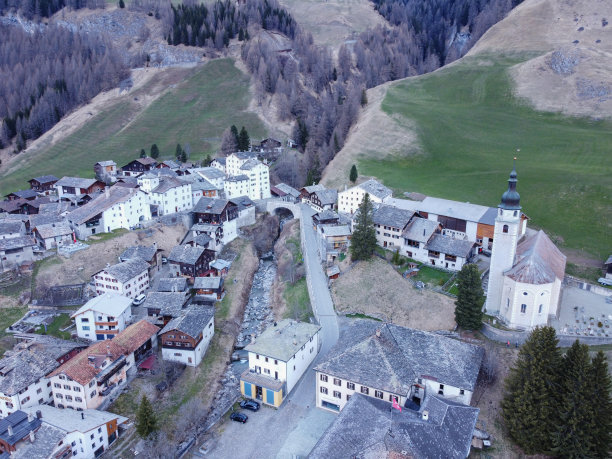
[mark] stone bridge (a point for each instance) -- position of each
(273, 204)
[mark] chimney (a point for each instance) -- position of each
(82, 415)
(425, 415)
(378, 333)
(10, 430)
(32, 437)
(423, 231)
(30, 417)
(39, 414)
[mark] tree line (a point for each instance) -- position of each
(36, 9)
(47, 73)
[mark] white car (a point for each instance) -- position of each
(139, 299)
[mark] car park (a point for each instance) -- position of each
(239, 417)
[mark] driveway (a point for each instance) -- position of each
(297, 425)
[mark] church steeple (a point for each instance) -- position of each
(511, 199)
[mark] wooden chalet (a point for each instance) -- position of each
(138, 166)
(214, 211)
(43, 184)
(191, 261)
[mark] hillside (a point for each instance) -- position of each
(467, 123)
(179, 105)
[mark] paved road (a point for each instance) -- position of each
(297, 425)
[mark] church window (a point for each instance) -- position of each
(515, 212)
(505, 229)
(523, 308)
(540, 309)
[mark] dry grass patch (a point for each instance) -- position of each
(375, 289)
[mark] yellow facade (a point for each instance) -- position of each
(262, 394)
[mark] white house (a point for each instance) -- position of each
(185, 339)
(277, 360)
(16, 251)
(83, 435)
(129, 278)
(103, 317)
(215, 176)
(167, 195)
(117, 207)
(258, 176)
(236, 185)
(53, 235)
(388, 362)
(350, 199)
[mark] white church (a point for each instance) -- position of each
(526, 270)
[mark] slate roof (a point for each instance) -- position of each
(13, 205)
(139, 251)
(202, 240)
(336, 230)
(74, 421)
(46, 179)
(168, 303)
(186, 254)
(102, 202)
(391, 216)
(283, 340)
(327, 196)
(288, 190)
(171, 164)
(76, 182)
(54, 229)
(488, 218)
(45, 219)
(366, 428)
(20, 424)
(220, 160)
(172, 284)
(168, 183)
(202, 185)
(245, 154)
(24, 194)
(211, 283)
(10, 226)
(17, 242)
(250, 164)
(450, 246)
(327, 214)
(46, 440)
(456, 209)
(107, 163)
(237, 178)
(242, 202)
(312, 188)
(127, 270)
(375, 188)
(208, 205)
(205, 227)
(393, 361)
(420, 229)
(108, 303)
(210, 173)
(54, 207)
(537, 261)
(220, 264)
(193, 322)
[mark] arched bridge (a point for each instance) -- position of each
(272, 205)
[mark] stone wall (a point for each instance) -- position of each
(505, 336)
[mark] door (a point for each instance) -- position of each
(247, 390)
(258, 393)
(270, 396)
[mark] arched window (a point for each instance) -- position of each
(540, 309)
(505, 229)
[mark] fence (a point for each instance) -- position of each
(505, 336)
(582, 285)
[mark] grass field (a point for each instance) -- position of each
(470, 126)
(53, 329)
(195, 111)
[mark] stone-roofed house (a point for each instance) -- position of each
(165, 306)
(138, 166)
(350, 199)
(150, 254)
(190, 261)
(43, 185)
(449, 253)
(172, 284)
(367, 428)
(214, 175)
(185, 339)
(129, 278)
(103, 317)
(12, 228)
(246, 210)
(333, 239)
(277, 360)
(75, 187)
(212, 287)
(28, 195)
(16, 251)
(200, 187)
(90, 378)
(390, 222)
(24, 371)
(219, 212)
(285, 192)
(106, 170)
(53, 235)
(16, 429)
(69, 433)
(321, 200)
(166, 195)
(386, 361)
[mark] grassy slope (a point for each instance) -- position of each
(196, 111)
(470, 127)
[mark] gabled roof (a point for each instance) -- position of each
(242, 202)
(168, 183)
(44, 219)
(193, 322)
(10, 226)
(108, 303)
(127, 270)
(207, 282)
(143, 252)
(420, 229)
(336, 230)
(144, 161)
(20, 424)
(456, 209)
(107, 163)
(450, 246)
(287, 189)
(135, 336)
(17, 242)
(391, 216)
(537, 261)
(375, 188)
(76, 182)
(24, 194)
(237, 178)
(169, 303)
(186, 254)
(312, 188)
(74, 421)
(208, 205)
(327, 196)
(202, 185)
(400, 355)
(366, 428)
(283, 340)
(251, 164)
(102, 202)
(210, 173)
(172, 284)
(44, 179)
(244, 155)
(54, 229)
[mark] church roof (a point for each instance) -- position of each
(537, 261)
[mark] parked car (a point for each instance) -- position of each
(239, 417)
(249, 405)
(139, 299)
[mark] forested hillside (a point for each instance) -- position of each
(31, 9)
(45, 74)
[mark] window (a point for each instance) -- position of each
(69, 398)
(77, 389)
(540, 309)
(461, 392)
(59, 396)
(323, 390)
(266, 359)
(91, 383)
(58, 385)
(323, 378)
(524, 293)
(66, 386)
(93, 394)
(350, 385)
(337, 394)
(78, 399)
(348, 397)
(523, 308)
(91, 436)
(378, 394)
(441, 386)
(257, 356)
(365, 390)
(505, 229)
(275, 362)
(99, 429)
(337, 382)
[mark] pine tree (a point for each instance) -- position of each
(363, 240)
(183, 157)
(179, 151)
(530, 404)
(601, 405)
(314, 173)
(154, 151)
(353, 174)
(234, 131)
(143, 153)
(121, 4)
(241, 34)
(470, 298)
(364, 98)
(146, 422)
(244, 142)
(575, 421)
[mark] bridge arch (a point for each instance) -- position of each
(275, 204)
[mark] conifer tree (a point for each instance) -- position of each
(601, 405)
(146, 421)
(244, 142)
(154, 151)
(575, 422)
(121, 4)
(363, 240)
(313, 175)
(530, 402)
(234, 131)
(143, 153)
(353, 174)
(470, 298)
(179, 151)
(364, 98)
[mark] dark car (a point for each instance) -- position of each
(249, 405)
(239, 417)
